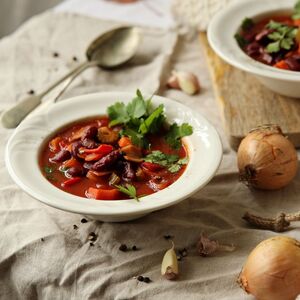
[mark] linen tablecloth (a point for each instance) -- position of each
(43, 257)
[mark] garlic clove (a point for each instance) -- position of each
(188, 82)
(169, 266)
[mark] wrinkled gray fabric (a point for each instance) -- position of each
(64, 265)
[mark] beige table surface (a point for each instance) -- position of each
(64, 266)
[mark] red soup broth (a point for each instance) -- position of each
(56, 174)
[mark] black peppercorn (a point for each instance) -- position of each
(147, 279)
(92, 244)
(75, 226)
(167, 237)
(140, 278)
(31, 92)
(42, 239)
(83, 220)
(55, 54)
(134, 248)
(123, 248)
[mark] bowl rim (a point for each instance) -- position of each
(116, 207)
(241, 10)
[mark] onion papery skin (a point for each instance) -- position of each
(267, 159)
(272, 270)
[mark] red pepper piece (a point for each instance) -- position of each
(70, 181)
(152, 166)
(102, 149)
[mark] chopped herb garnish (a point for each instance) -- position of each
(247, 24)
(176, 133)
(296, 13)
(172, 162)
(49, 173)
(283, 37)
(129, 190)
(161, 158)
(48, 170)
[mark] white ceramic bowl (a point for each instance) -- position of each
(204, 148)
(221, 33)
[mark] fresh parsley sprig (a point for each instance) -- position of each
(128, 190)
(283, 37)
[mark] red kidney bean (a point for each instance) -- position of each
(76, 172)
(107, 161)
(90, 133)
(60, 156)
(128, 173)
(293, 62)
(89, 143)
(75, 148)
(253, 49)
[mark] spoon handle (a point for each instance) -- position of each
(13, 116)
(74, 76)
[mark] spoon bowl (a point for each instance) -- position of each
(115, 47)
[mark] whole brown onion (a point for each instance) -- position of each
(272, 270)
(267, 159)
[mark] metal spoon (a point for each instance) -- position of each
(109, 50)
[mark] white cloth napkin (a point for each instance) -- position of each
(149, 13)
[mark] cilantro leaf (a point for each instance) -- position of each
(138, 119)
(177, 166)
(172, 162)
(137, 138)
(154, 121)
(274, 25)
(282, 36)
(137, 107)
(161, 158)
(176, 133)
(247, 24)
(117, 114)
(48, 170)
(174, 168)
(128, 190)
(273, 47)
(183, 161)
